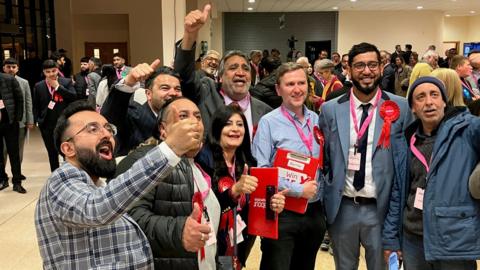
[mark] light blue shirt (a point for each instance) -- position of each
(276, 131)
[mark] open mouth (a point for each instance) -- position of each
(239, 82)
(105, 150)
(234, 136)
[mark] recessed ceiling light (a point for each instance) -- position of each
(472, 11)
(250, 8)
(353, 0)
(251, 1)
(419, 7)
(334, 8)
(447, 15)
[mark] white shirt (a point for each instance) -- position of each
(213, 209)
(369, 190)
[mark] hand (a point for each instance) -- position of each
(387, 253)
(29, 126)
(141, 72)
(309, 189)
(183, 135)
(192, 23)
(194, 234)
(53, 83)
(246, 184)
(278, 201)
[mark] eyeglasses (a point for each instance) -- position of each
(95, 129)
(360, 66)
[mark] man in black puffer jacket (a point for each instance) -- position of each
(265, 90)
(165, 213)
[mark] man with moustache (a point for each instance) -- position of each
(209, 65)
(81, 79)
(80, 221)
(50, 97)
(164, 213)
(234, 76)
(359, 162)
(433, 220)
(291, 127)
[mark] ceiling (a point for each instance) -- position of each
(449, 7)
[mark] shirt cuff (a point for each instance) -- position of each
(121, 86)
(172, 158)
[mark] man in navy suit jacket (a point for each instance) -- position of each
(358, 160)
(50, 97)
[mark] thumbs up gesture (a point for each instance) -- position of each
(194, 235)
(192, 23)
(246, 184)
(141, 72)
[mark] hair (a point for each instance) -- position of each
(414, 55)
(56, 56)
(408, 46)
(270, 64)
(96, 61)
(118, 55)
(400, 56)
(63, 123)
(10, 61)
(362, 48)
(210, 52)
(302, 60)
(243, 154)
(49, 63)
(336, 53)
(253, 52)
(453, 85)
(274, 50)
(84, 59)
(428, 54)
(288, 67)
(108, 72)
(221, 68)
(163, 70)
(473, 52)
(458, 60)
(343, 55)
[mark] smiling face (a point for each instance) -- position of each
(428, 105)
(292, 87)
(236, 78)
(232, 133)
(365, 72)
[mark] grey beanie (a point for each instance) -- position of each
(427, 79)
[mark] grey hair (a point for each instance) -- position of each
(221, 68)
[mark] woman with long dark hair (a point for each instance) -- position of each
(229, 142)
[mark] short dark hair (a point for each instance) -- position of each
(56, 56)
(49, 63)
(287, 67)
(96, 61)
(164, 70)
(270, 64)
(164, 110)
(63, 123)
(408, 46)
(118, 55)
(10, 61)
(362, 48)
(84, 59)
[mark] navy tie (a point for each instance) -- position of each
(359, 178)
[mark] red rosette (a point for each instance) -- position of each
(320, 139)
(390, 112)
(225, 183)
(197, 198)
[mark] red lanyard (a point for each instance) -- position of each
(307, 140)
(417, 153)
(367, 121)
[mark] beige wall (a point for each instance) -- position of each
(385, 29)
(463, 29)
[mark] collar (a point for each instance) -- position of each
(306, 113)
(358, 103)
(243, 103)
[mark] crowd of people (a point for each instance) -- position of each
(398, 136)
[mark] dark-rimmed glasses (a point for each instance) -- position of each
(95, 129)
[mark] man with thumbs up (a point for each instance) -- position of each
(137, 122)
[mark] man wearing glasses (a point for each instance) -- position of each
(80, 221)
(359, 160)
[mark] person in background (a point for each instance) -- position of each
(255, 58)
(421, 69)
(265, 90)
(402, 76)
(120, 67)
(474, 58)
(209, 64)
(59, 59)
(462, 66)
(413, 59)
(453, 86)
(109, 77)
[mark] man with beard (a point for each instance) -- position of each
(165, 210)
(120, 67)
(209, 65)
(359, 162)
(137, 122)
(234, 76)
(81, 79)
(80, 221)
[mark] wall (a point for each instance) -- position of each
(385, 29)
(248, 31)
(473, 29)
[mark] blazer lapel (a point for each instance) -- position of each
(343, 125)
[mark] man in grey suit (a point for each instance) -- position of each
(234, 75)
(359, 162)
(10, 66)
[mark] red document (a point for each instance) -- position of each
(262, 221)
(296, 168)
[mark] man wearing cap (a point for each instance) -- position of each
(359, 160)
(432, 221)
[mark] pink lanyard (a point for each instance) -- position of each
(61, 73)
(417, 153)
(50, 89)
(367, 121)
(308, 141)
(86, 79)
(207, 179)
(469, 88)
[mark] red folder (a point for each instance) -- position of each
(296, 168)
(261, 220)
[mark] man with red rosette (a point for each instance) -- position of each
(359, 160)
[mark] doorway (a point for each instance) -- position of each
(313, 48)
(105, 50)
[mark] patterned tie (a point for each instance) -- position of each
(359, 178)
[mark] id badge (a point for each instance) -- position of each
(240, 227)
(354, 161)
(212, 236)
(51, 105)
(87, 92)
(2, 106)
(419, 199)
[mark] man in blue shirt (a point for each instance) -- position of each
(290, 127)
